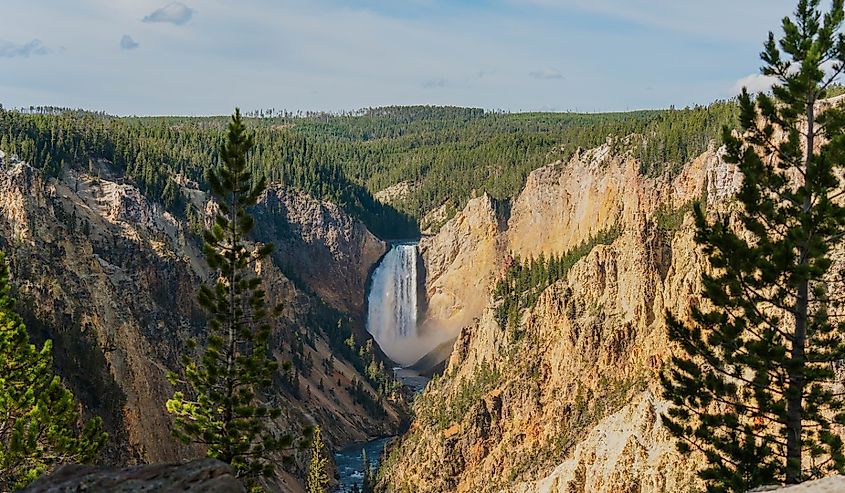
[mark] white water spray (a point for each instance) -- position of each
(392, 312)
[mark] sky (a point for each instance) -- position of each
(203, 57)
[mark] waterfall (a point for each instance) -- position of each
(392, 304)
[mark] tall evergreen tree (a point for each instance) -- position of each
(225, 408)
(317, 478)
(755, 390)
(39, 421)
(370, 474)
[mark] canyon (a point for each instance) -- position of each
(560, 395)
(422, 247)
(565, 401)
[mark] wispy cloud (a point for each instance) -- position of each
(754, 83)
(546, 74)
(176, 13)
(12, 50)
(127, 43)
(434, 83)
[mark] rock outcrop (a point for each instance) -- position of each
(320, 245)
(200, 476)
(833, 484)
(627, 451)
(563, 204)
(459, 264)
(394, 193)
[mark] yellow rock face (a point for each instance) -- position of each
(562, 205)
(460, 262)
(569, 402)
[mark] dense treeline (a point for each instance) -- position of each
(675, 137)
(151, 151)
(449, 153)
(446, 154)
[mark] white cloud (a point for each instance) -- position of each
(12, 50)
(762, 83)
(546, 74)
(754, 83)
(127, 43)
(174, 13)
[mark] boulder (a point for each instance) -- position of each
(205, 475)
(833, 484)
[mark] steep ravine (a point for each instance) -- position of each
(568, 401)
(112, 279)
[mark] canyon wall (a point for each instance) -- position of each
(459, 263)
(568, 400)
(112, 279)
(323, 247)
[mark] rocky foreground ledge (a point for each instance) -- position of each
(833, 484)
(205, 475)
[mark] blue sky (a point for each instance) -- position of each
(198, 57)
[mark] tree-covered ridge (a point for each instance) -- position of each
(444, 153)
(151, 151)
(447, 153)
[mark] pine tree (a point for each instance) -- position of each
(39, 421)
(317, 478)
(755, 390)
(369, 481)
(225, 408)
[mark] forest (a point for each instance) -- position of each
(445, 154)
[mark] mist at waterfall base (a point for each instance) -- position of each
(392, 308)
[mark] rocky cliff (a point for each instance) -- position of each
(319, 245)
(112, 277)
(458, 264)
(565, 401)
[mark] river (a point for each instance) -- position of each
(392, 321)
(349, 465)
